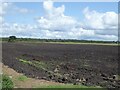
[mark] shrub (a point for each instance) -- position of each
(7, 82)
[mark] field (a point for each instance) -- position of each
(78, 64)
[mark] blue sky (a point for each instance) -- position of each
(75, 8)
(77, 20)
(72, 9)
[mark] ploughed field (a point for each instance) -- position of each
(91, 65)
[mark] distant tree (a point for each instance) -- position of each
(12, 38)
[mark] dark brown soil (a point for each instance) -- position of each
(91, 65)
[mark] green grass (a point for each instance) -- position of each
(85, 43)
(22, 78)
(62, 41)
(25, 61)
(111, 44)
(68, 42)
(69, 86)
(37, 64)
(7, 82)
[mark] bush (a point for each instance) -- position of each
(7, 82)
(12, 38)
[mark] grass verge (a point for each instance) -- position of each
(71, 86)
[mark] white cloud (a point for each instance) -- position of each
(96, 25)
(20, 30)
(105, 25)
(96, 20)
(55, 24)
(110, 20)
(4, 7)
(3, 10)
(55, 18)
(7, 29)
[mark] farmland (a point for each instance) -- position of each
(86, 64)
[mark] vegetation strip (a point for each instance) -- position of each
(59, 41)
(39, 65)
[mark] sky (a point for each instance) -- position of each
(60, 20)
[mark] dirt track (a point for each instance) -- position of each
(92, 65)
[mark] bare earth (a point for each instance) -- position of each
(90, 65)
(29, 83)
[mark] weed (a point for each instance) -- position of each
(39, 65)
(22, 78)
(25, 61)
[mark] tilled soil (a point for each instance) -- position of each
(91, 65)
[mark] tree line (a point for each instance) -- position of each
(15, 39)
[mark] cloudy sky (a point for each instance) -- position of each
(60, 20)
